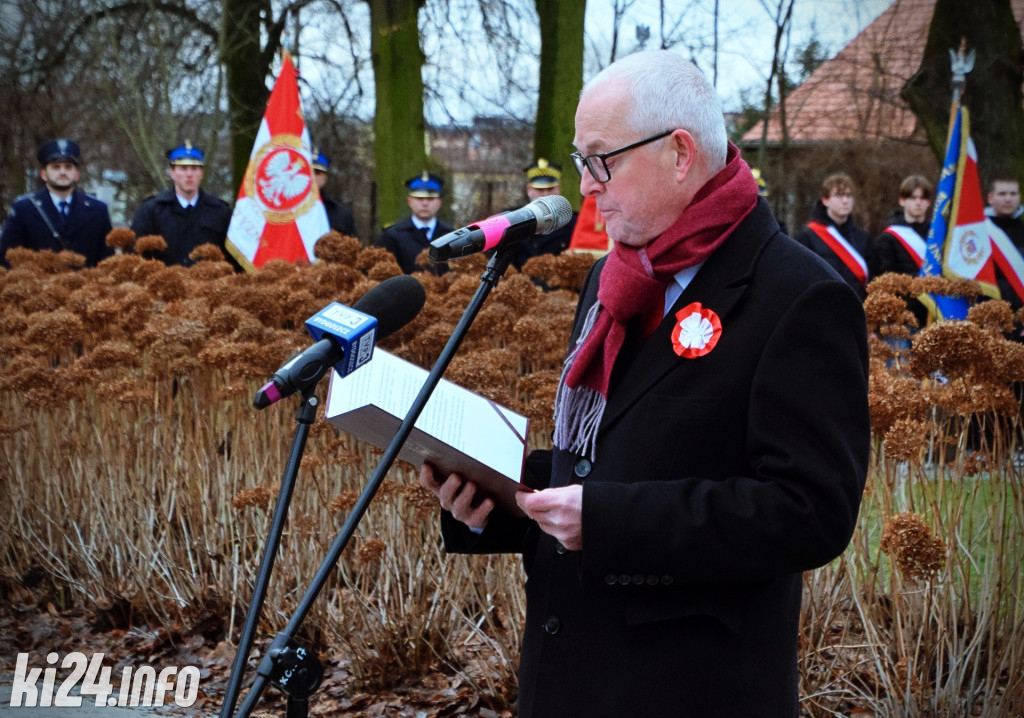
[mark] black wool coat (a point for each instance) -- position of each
(716, 482)
(406, 242)
(85, 230)
(184, 230)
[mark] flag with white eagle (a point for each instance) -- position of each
(279, 213)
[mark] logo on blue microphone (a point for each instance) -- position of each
(354, 331)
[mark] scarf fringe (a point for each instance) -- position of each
(578, 412)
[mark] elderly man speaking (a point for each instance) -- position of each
(711, 429)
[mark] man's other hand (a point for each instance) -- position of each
(558, 512)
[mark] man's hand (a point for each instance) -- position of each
(558, 512)
(456, 496)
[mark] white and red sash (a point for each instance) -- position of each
(843, 249)
(911, 241)
(1007, 258)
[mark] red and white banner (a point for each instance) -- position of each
(279, 214)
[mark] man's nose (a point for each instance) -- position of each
(589, 185)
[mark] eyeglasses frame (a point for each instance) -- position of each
(580, 162)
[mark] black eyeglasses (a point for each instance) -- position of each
(597, 164)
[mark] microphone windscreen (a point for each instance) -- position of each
(558, 213)
(394, 302)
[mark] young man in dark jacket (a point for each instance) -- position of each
(832, 234)
(185, 215)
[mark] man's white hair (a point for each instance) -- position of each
(669, 92)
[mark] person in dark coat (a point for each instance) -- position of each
(543, 179)
(58, 216)
(711, 434)
(408, 237)
(185, 215)
(832, 234)
(901, 247)
(339, 216)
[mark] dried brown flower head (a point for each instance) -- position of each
(519, 293)
(169, 283)
(111, 355)
(150, 243)
(994, 316)
(954, 348)
(917, 554)
(207, 252)
(121, 238)
(905, 440)
(343, 502)
(310, 461)
(371, 552)
(208, 269)
(125, 392)
(372, 256)
(56, 330)
(258, 497)
(337, 248)
(885, 311)
(892, 283)
(892, 397)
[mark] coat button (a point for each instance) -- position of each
(638, 579)
(611, 579)
(666, 580)
(552, 625)
(560, 549)
(583, 468)
(624, 579)
(652, 580)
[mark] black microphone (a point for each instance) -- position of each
(346, 336)
(542, 215)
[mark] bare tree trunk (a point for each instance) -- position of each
(246, 69)
(561, 77)
(400, 132)
(993, 90)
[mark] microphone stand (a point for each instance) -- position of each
(305, 416)
(292, 668)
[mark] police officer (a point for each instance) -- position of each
(339, 216)
(408, 237)
(185, 216)
(58, 216)
(543, 178)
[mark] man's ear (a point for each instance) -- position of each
(686, 153)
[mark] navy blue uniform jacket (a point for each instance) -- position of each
(86, 231)
(716, 482)
(184, 230)
(406, 242)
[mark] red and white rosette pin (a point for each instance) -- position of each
(696, 332)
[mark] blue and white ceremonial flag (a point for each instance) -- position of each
(959, 246)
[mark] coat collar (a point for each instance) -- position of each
(719, 286)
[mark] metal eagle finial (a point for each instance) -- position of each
(961, 64)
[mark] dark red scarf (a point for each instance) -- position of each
(633, 281)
